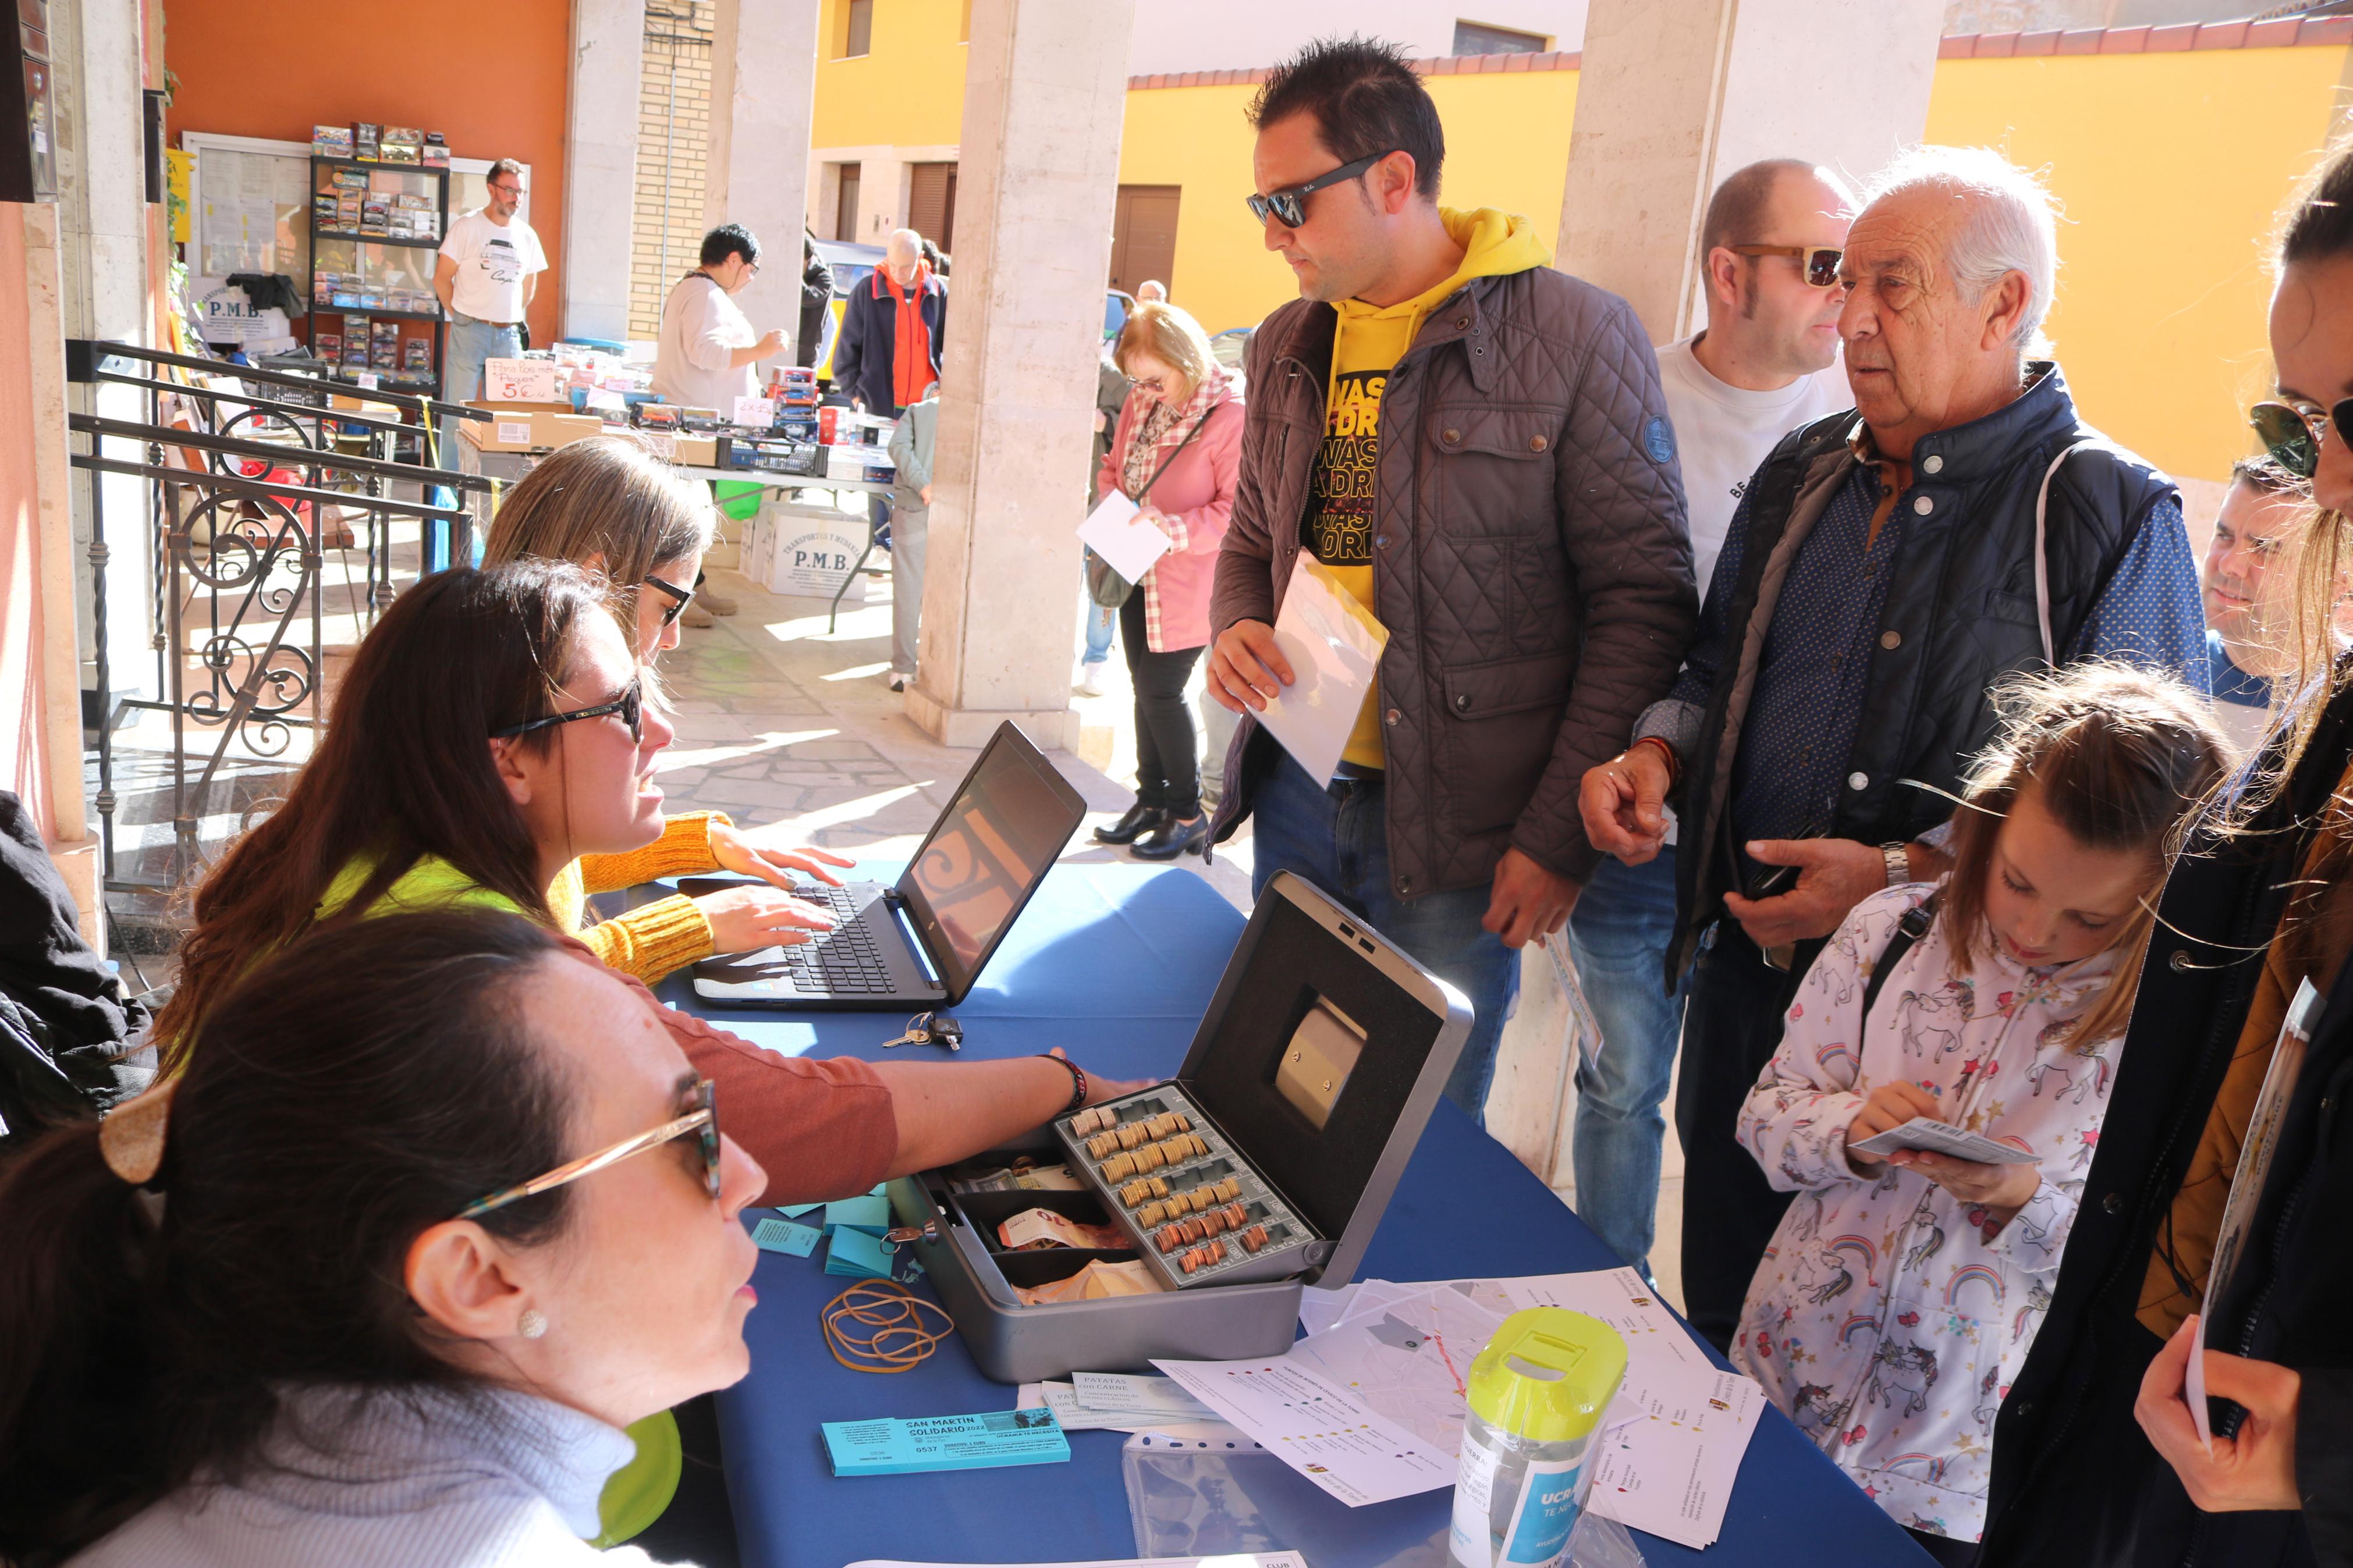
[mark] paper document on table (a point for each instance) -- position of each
(1195, 1422)
(1937, 1137)
(1334, 646)
(1222, 1560)
(2247, 1185)
(1672, 1473)
(1130, 547)
(1389, 1355)
(1317, 1427)
(1126, 1391)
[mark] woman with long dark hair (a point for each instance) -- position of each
(375, 1281)
(492, 729)
(2099, 1457)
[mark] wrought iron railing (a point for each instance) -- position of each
(237, 529)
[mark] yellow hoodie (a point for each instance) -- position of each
(1366, 344)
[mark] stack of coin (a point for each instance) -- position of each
(1144, 1187)
(1254, 1238)
(1093, 1119)
(1202, 1256)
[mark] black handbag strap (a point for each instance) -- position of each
(1138, 497)
(1908, 930)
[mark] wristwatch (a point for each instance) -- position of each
(1899, 864)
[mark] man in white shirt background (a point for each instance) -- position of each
(707, 353)
(1766, 363)
(486, 274)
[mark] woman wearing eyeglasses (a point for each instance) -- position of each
(375, 1282)
(530, 746)
(2228, 1117)
(611, 505)
(1177, 454)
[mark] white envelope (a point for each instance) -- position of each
(1334, 646)
(1130, 547)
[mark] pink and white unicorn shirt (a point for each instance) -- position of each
(1888, 1318)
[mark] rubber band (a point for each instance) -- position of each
(899, 1340)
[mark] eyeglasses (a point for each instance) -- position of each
(629, 705)
(698, 1113)
(2293, 433)
(511, 193)
(1819, 262)
(679, 597)
(1288, 207)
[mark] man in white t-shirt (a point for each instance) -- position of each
(1766, 364)
(486, 274)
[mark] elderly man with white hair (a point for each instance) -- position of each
(891, 325)
(1886, 567)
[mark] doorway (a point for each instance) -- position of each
(1144, 237)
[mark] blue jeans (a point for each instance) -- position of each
(1100, 623)
(1619, 936)
(1337, 837)
(469, 344)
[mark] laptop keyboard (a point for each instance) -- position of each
(848, 961)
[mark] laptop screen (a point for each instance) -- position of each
(986, 854)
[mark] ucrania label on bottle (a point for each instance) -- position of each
(1541, 1519)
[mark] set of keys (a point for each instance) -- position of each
(931, 1029)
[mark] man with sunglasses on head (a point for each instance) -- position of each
(1766, 363)
(1496, 481)
(1885, 568)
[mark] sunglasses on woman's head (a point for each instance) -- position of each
(1818, 262)
(629, 705)
(1288, 207)
(679, 597)
(2292, 433)
(698, 1112)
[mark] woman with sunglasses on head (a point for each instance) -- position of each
(372, 1283)
(530, 746)
(1177, 453)
(611, 505)
(2099, 1458)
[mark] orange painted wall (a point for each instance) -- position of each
(490, 78)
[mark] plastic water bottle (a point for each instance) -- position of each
(1536, 1394)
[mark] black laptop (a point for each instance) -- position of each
(921, 942)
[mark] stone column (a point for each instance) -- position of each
(1045, 95)
(763, 85)
(1673, 97)
(600, 165)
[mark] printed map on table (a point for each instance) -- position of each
(1408, 1359)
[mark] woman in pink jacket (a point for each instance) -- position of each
(1177, 452)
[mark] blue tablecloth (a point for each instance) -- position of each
(1115, 964)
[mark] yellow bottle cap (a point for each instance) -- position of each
(1548, 1374)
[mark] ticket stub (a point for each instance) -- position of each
(992, 1438)
(1943, 1138)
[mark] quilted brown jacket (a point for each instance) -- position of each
(1530, 560)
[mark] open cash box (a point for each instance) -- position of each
(1263, 1166)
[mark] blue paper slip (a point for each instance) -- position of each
(795, 1211)
(994, 1437)
(870, 1214)
(854, 1254)
(783, 1235)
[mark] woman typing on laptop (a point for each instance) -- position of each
(530, 746)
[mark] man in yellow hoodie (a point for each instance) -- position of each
(1496, 480)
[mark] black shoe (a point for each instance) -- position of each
(1171, 838)
(1140, 819)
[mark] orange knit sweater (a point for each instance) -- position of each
(660, 937)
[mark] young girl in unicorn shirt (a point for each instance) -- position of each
(1901, 1295)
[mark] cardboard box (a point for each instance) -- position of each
(527, 427)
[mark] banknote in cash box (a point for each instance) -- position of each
(1263, 1166)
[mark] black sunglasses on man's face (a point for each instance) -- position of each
(1288, 207)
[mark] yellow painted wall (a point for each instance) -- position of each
(2169, 169)
(907, 91)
